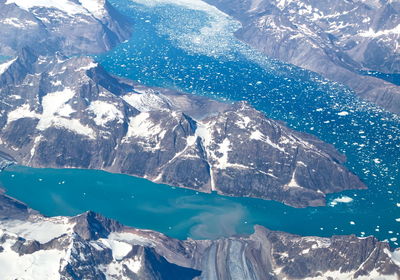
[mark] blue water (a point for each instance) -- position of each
(173, 46)
(182, 213)
(391, 78)
(170, 49)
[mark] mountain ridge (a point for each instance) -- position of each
(339, 41)
(92, 246)
(72, 108)
(71, 27)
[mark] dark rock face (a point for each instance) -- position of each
(5, 161)
(60, 112)
(70, 26)
(339, 40)
(294, 168)
(11, 208)
(63, 251)
(94, 226)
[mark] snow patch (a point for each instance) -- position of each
(95, 7)
(66, 6)
(243, 123)
(105, 113)
(395, 256)
(91, 65)
(224, 148)
(56, 113)
(147, 101)
(134, 264)
(130, 238)
(115, 268)
(204, 132)
(42, 230)
(119, 249)
(43, 264)
(18, 23)
(259, 136)
(373, 34)
(337, 275)
(141, 126)
(24, 111)
(293, 183)
(6, 65)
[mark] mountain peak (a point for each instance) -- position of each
(94, 8)
(92, 226)
(70, 26)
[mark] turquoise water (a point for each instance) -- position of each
(195, 50)
(179, 212)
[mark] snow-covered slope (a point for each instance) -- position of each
(60, 112)
(93, 8)
(73, 27)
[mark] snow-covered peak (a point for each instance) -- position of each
(63, 5)
(86, 7)
(95, 7)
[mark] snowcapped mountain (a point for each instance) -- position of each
(90, 246)
(60, 112)
(73, 27)
(339, 39)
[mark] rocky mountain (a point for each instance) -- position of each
(60, 112)
(5, 161)
(342, 40)
(90, 246)
(70, 26)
